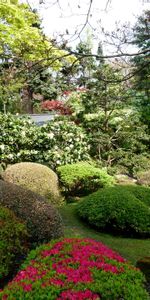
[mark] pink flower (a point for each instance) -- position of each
(58, 282)
(66, 264)
(27, 287)
(78, 295)
(5, 297)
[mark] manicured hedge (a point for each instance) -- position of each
(42, 219)
(13, 241)
(117, 210)
(82, 178)
(140, 192)
(76, 269)
(35, 177)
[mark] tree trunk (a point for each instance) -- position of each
(27, 100)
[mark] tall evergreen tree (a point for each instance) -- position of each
(142, 64)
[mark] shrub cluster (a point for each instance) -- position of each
(56, 143)
(35, 177)
(13, 241)
(118, 210)
(42, 219)
(82, 178)
(76, 269)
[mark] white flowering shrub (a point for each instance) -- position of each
(56, 143)
(69, 143)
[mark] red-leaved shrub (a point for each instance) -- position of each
(56, 105)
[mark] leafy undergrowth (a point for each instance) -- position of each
(131, 249)
(76, 269)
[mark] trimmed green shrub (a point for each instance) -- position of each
(140, 192)
(143, 178)
(13, 241)
(35, 177)
(76, 269)
(42, 219)
(116, 210)
(82, 178)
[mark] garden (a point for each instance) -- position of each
(74, 191)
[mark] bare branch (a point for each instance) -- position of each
(111, 56)
(107, 3)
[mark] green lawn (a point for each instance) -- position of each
(131, 249)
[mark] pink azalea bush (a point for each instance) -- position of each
(75, 269)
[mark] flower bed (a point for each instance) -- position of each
(76, 269)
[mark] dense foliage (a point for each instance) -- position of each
(35, 177)
(140, 192)
(42, 219)
(13, 241)
(117, 210)
(142, 65)
(119, 142)
(55, 143)
(82, 178)
(76, 269)
(25, 53)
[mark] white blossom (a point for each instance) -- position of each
(50, 135)
(2, 147)
(10, 156)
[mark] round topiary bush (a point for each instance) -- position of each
(116, 210)
(140, 192)
(13, 241)
(82, 178)
(73, 269)
(42, 219)
(35, 177)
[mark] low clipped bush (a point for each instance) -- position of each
(13, 241)
(116, 210)
(143, 178)
(82, 178)
(35, 177)
(42, 219)
(142, 193)
(73, 269)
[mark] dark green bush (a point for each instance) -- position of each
(144, 265)
(82, 178)
(42, 219)
(140, 192)
(13, 241)
(116, 210)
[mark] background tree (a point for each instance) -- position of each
(23, 46)
(142, 64)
